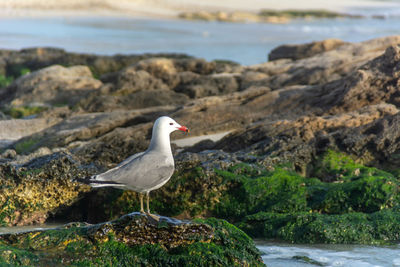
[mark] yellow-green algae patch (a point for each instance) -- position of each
(30, 195)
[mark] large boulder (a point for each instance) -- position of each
(55, 85)
(324, 67)
(133, 240)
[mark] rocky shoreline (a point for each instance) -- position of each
(224, 10)
(264, 15)
(312, 155)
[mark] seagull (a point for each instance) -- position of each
(145, 171)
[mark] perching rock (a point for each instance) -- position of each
(133, 240)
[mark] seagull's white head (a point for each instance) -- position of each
(166, 124)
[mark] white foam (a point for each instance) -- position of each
(277, 255)
(396, 262)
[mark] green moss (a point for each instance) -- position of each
(279, 191)
(345, 191)
(95, 72)
(17, 70)
(366, 194)
(191, 190)
(12, 73)
(24, 111)
(25, 145)
(233, 239)
(335, 166)
(7, 211)
(381, 227)
(5, 81)
(11, 256)
(102, 245)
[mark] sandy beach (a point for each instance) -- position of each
(170, 8)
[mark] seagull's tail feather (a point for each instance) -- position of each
(93, 182)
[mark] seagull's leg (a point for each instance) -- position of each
(147, 202)
(141, 203)
(155, 217)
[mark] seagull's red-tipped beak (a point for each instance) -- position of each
(183, 129)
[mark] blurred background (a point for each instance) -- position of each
(240, 31)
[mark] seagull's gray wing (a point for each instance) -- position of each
(145, 172)
(130, 158)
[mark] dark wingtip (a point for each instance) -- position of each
(86, 180)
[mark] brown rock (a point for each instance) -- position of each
(324, 67)
(130, 80)
(53, 85)
(296, 52)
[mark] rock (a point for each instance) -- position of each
(133, 240)
(55, 85)
(302, 133)
(375, 143)
(217, 84)
(3, 116)
(373, 83)
(296, 52)
(269, 203)
(156, 82)
(252, 78)
(129, 80)
(324, 67)
(38, 58)
(199, 66)
(79, 128)
(9, 153)
(136, 100)
(18, 128)
(201, 146)
(32, 192)
(167, 69)
(301, 140)
(161, 68)
(315, 228)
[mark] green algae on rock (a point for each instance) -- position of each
(133, 240)
(238, 192)
(381, 227)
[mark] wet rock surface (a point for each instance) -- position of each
(319, 126)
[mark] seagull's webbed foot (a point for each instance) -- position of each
(153, 216)
(148, 213)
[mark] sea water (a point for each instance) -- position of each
(245, 43)
(283, 255)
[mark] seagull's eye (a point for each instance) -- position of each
(171, 123)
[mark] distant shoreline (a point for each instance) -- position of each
(172, 8)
